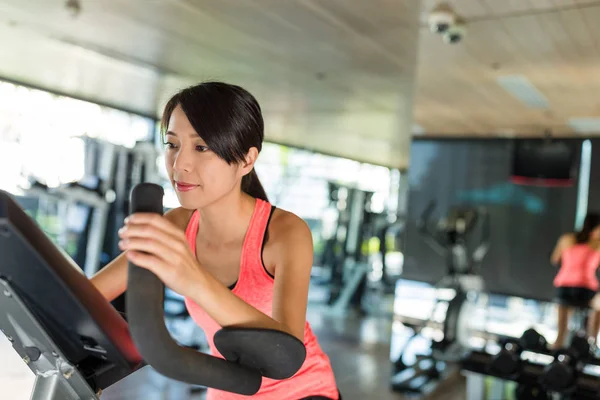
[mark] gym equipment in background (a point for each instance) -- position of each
(451, 234)
(354, 275)
(82, 209)
(431, 348)
(507, 362)
(342, 253)
(562, 374)
(569, 374)
(77, 344)
(93, 208)
(508, 356)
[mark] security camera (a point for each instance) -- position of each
(441, 18)
(456, 32)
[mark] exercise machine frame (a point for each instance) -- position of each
(56, 378)
(453, 289)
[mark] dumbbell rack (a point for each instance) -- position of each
(586, 385)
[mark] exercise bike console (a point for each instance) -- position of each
(73, 353)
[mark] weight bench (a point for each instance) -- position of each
(77, 344)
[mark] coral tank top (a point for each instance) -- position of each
(255, 287)
(578, 267)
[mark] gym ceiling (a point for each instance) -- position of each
(351, 78)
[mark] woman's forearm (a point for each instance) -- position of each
(111, 281)
(226, 308)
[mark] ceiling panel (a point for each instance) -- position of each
(343, 77)
(331, 75)
(553, 44)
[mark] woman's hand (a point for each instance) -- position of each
(152, 242)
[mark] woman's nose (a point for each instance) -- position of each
(183, 162)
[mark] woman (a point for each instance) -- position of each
(236, 259)
(576, 282)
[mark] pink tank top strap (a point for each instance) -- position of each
(255, 239)
(192, 230)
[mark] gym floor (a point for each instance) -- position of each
(358, 348)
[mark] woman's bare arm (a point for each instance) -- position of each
(111, 280)
(564, 242)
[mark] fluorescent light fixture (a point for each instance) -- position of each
(585, 125)
(417, 129)
(584, 183)
(521, 88)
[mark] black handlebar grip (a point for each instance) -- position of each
(145, 313)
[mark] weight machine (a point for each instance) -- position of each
(94, 207)
(343, 247)
(417, 370)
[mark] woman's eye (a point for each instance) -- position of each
(201, 149)
(169, 145)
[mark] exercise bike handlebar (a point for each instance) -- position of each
(145, 311)
(486, 233)
(249, 353)
(425, 215)
(423, 228)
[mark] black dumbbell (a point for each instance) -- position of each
(561, 374)
(581, 347)
(506, 363)
(527, 392)
(532, 340)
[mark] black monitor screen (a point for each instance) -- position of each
(544, 160)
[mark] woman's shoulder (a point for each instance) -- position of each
(289, 242)
(286, 227)
(568, 239)
(595, 244)
(179, 216)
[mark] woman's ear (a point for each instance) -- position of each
(249, 160)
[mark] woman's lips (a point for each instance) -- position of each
(184, 186)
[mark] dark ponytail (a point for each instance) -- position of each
(251, 185)
(229, 120)
(591, 222)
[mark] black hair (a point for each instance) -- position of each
(591, 222)
(229, 120)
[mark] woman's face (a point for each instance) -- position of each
(198, 175)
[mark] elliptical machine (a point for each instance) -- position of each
(415, 370)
